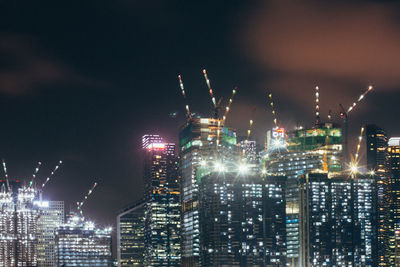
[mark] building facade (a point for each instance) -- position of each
(377, 161)
(81, 243)
(242, 220)
(337, 220)
(394, 190)
(51, 217)
(130, 235)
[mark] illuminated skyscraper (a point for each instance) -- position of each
(81, 243)
(162, 203)
(296, 153)
(337, 220)
(200, 140)
(377, 161)
(242, 219)
(130, 235)
(149, 230)
(394, 188)
(18, 225)
(51, 217)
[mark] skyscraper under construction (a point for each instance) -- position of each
(201, 140)
(18, 225)
(317, 149)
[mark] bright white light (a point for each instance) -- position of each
(243, 168)
(219, 167)
(371, 172)
(203, 163)
(42, 204)
(264, 171)
(353, 168)
(278, 143)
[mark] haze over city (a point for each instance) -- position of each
(84, 81)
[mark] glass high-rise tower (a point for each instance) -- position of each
(377, 161)
(242, 219)
(162, 203)
(130, 235)
(149, 230)
(51, 218)
(394, 188)
(337, 220)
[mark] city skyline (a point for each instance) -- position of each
(84, 90)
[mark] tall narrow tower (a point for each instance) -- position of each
(162, 203)
(377, 159)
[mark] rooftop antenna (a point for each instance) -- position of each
(188, 114)
(80, 204)
(317, 106)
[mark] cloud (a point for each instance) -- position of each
(343, 45)
(26, 66)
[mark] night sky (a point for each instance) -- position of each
(82, 81)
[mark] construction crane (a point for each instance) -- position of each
(344, 114)
(216, 105)
(354, 159)
(188, 114)
(34, 174)
(271, 103)
(80, 204)
(6, 175)
(51, 175)
(228, 106)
